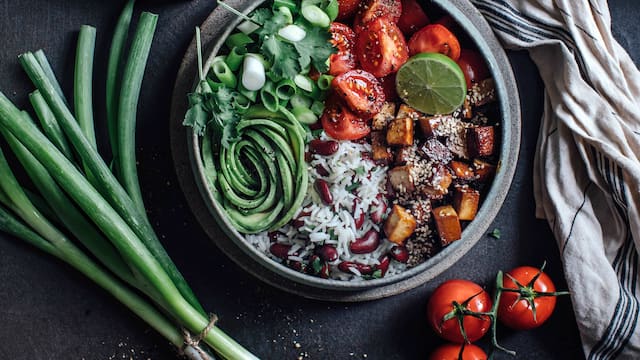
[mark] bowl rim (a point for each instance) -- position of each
(481, 35)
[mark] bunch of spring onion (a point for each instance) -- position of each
(84, 213)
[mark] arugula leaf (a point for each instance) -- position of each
(315, 49)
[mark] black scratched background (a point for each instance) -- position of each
(47, 311)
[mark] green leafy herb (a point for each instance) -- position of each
(316, 264)
(315, 49)
(495, 233)
(360, 170)
(352, 186)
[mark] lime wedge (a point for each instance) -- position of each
(432, 83)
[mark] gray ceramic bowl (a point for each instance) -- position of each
(190, 168)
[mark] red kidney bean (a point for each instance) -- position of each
(318, 267)
(366, 244)
(298, 221)
(327, 253)
(322, 187)
(322, 171)
(378, 209)
(383, 266)
(273, 236)
(280, 250)
(323, 147)
(307, 156)
(364, 269)
(359, 219)
(324, 271)
(297, 266)
(399, 253)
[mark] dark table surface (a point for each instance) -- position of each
(48, 311)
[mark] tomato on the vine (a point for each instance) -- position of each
(381, 49)
(435, 38)
(343, 39)
(361, 91)
(452, 352)
(374, 9)
(456, 301)
(341, 123)
(412, 18)
(535, 291)
(473, 66)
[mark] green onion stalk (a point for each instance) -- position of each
(103, 232)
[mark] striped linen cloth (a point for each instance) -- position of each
(587, 167)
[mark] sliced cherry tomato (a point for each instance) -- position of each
(342, 124)
(473, 66)
(346, 8)
(361, 91)
(381, 49)
(435, 38)
(452, 352)
(389, 87)
(463, 299)
(343, 39)
(413, 17)
(373, 9)
(448, 22)
(517, 312)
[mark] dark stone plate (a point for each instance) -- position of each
(186, 147)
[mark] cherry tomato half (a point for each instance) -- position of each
(442, 301)
(373, 9)
(381, 48)
(435, 38)
(452, 352)
(472, 66)
(413, 17)
(389, 87)
(518, 314)
(344, 40)
(346, 8)
(341, 123)
(361, 91)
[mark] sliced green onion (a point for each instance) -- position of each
(290, 4)
(304, 82)
(253, 73)
(238, 39)
(222, 71)
(286, 12)
(235, 57)
(247, 27)
(292, 33)
(286, 89)
(304, 115)
(249, 94)
(317, 107)
(49, 124)
(269, 97)
(324, 81)
(315, 16)
(299, 100)
(332, 9)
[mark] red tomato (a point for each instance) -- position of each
(342, 124)
(381, 49)
(448, 22)
(472, 66)
(452, 352)
(435, 38)
(413, 17)
(518, 314)
(442, 301)
(347, 8)
(373, 9)
(361, 91)
(343, 39)
(389, 87)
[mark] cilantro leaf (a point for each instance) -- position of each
(315, 49)
(283, 56)
(196, 116)
(495, 233)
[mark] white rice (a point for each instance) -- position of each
(335, 224)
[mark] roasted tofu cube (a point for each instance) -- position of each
(484, 170)
(384, 117)
(438, 183)
(429, 125)
(465, 202)
(407, 111)
(482, 92)
(401, 179)
(447, 224)
(435, 150)
(400, 132)
(399, 225)
(380, 152)
(480, 141)
(462, 171)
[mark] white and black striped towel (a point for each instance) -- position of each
(587, 166)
